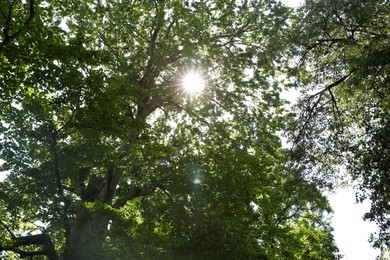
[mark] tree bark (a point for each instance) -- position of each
(89, 231)
(42, 239)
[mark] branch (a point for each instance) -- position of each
(6, 30)
(279, 220)
(334, 84)
(336, 110)
(57, 173)
(311, 108)
(330, 41)
(151, 54)
(42, 239)
(68, 121)
(161, 187)
(60, 188)
(8, 229)
(134, 193)
(24, 254)
(232, 36)
(8, 21)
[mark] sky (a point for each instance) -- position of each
(351, 232)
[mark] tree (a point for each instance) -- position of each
(109, 156)
(343, 73)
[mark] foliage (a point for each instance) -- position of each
(109, 156)
(343, 72)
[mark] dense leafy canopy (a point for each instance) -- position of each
(344, 55)
(108, 157)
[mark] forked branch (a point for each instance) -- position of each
(8, 35)
(43, 240)
(314, 101)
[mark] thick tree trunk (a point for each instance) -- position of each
(87, 238)
(89, 230)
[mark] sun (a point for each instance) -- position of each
(192, 82)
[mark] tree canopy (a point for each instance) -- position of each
(343, 52)
(108, 157)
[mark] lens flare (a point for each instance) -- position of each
(196, 180)
(192, 82)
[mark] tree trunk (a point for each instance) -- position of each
(87, 238)
(89, 230)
